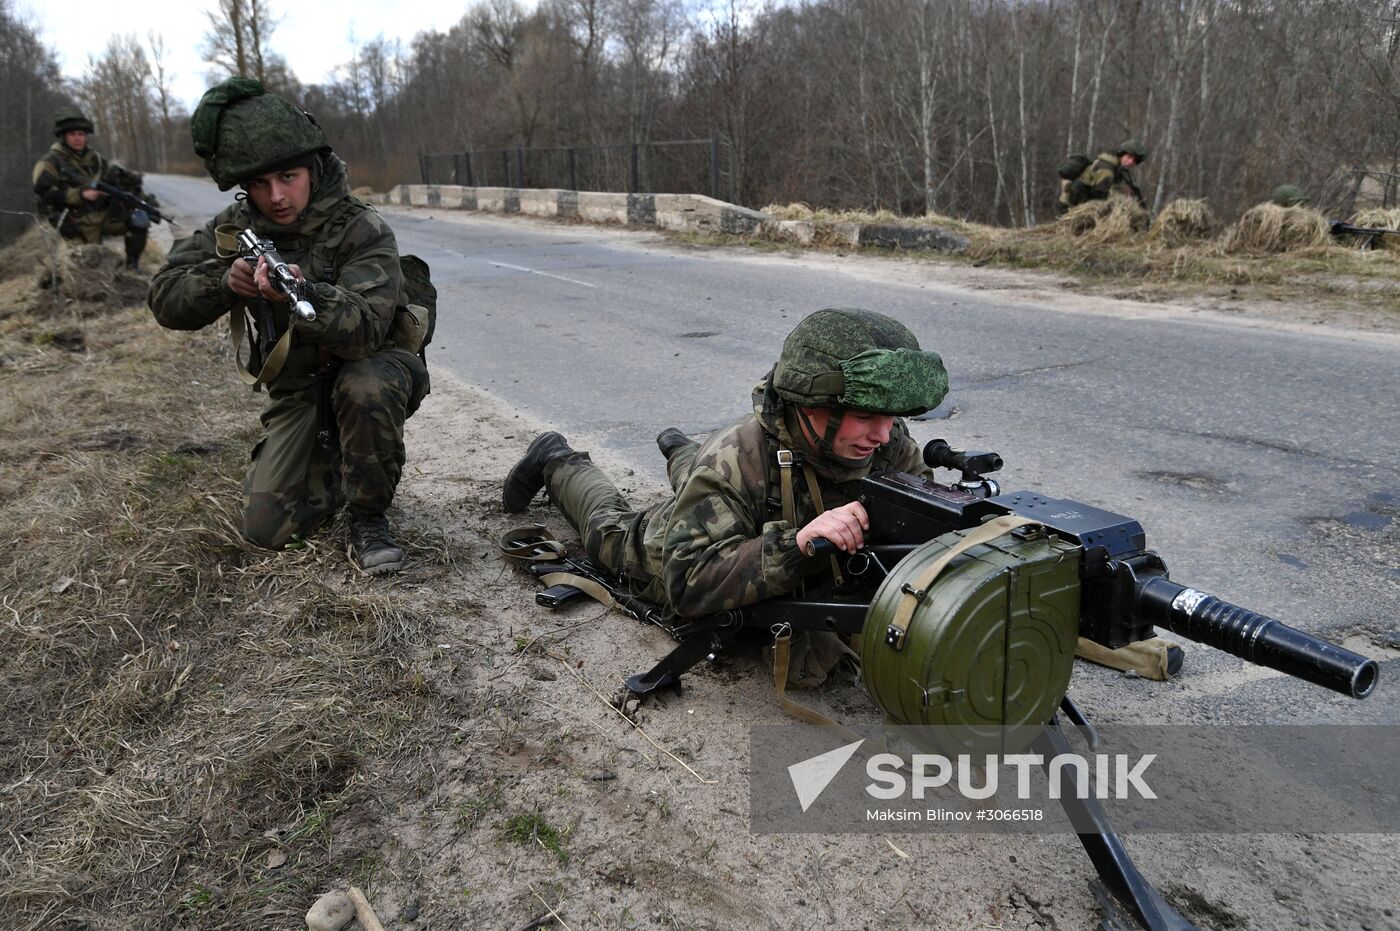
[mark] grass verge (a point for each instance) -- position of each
(1271, 254)
(185, 716)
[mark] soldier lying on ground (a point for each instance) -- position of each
(750, 500)
(334, 429)
(62, 180)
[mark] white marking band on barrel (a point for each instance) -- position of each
(1188, 601)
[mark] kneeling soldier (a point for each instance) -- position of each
(63, 182)
(334, 428)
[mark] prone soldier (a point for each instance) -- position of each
(64, 179)
(749, 503)
(341, 384)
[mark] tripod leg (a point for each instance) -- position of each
(1118, 877)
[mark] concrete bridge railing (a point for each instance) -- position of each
(681, 212)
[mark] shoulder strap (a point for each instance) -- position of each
(272, 365)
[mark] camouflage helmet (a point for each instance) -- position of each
(858, 360)
(1288, 195)
(67, 119)
(1134, 148)
(241, 131)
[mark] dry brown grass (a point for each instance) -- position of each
(1184, 221)
(1268, 228)
(177, 703)
(1380, 218)
(1171, 262)
(1114, 219)
(801, 211)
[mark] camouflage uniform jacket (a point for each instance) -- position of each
(58, 193)
(721, 542)
(1095, 182)
(345, 250)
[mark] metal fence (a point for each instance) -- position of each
(677, 166)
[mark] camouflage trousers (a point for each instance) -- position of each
(116, 220)
(612, 530)
(296, 482)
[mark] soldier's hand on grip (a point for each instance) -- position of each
(262, 278)
(240, 279)
(844, 526)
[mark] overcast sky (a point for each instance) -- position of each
(313, 35)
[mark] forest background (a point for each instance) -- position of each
(961, 108)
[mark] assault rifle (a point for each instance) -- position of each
(962, 591)
(1137, 191)
(1367, 234)
(131, 200)
(279, 272)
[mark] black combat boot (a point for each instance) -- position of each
(372, 550)
(527, 478)
(670, 440)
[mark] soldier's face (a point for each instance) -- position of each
(1127, 160)
(75, 139)
(281, 196)
(859, 434)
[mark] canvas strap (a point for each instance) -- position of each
(276, 359)
(913, 592)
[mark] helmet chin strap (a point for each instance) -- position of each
(825, 441)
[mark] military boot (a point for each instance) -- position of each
(670, 440)
(527, 478)
(372, 549)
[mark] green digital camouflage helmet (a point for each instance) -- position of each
(1134, 148)
(241, 131)
(70, 118)
(858, 360)
(1288, 195)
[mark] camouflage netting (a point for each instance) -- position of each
(1184, 221)
(1269, 228)
(1112, 220)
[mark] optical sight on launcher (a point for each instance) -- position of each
(968, 604)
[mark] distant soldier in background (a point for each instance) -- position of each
(1097, 179)
(63, 180)
(1288, 195)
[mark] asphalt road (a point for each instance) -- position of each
(1261, 458)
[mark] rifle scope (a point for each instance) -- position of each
(1255, 637)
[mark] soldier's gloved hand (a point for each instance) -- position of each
(240, 279)
(264, 282)
(845, 526)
